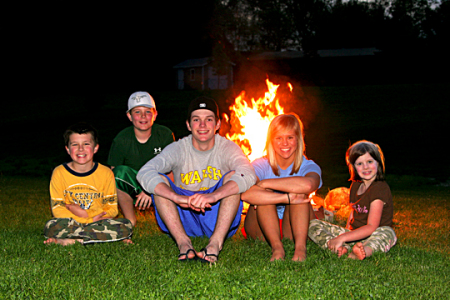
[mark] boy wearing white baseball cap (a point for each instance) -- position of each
(132, 148)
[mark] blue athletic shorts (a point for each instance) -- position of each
(197, 223)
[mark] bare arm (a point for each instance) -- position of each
(81, 213)
(298, 187)
(373, 222)
(295, 184)
(350, 218)
(77, 210)
(228, 189)
(199, 202)
(259, 196)
(163, 190)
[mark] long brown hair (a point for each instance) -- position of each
(283, 123)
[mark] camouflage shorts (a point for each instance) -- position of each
(382, 239)
(108, 230)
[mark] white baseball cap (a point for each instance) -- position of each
(140, 99)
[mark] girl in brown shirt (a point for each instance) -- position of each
(369, 225)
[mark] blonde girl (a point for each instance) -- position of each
(285, 178)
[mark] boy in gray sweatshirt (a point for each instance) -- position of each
(210, 172)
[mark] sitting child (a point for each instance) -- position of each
(280, 207)
(369, 226)
(83, 195)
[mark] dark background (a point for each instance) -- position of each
(93, 48)
(70, 63)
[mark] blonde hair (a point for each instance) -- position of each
(359, 149)
(284, 123)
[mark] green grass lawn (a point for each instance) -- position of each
(418, 267)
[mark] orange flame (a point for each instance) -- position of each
(290, 86)
(249, 123)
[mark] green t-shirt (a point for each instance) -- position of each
(127, 150)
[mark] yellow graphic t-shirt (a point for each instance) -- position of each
(94, 191)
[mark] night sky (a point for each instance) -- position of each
(79, 49)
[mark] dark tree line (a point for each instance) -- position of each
(309, 25)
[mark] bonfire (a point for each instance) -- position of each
(250, 118)
(249, 121)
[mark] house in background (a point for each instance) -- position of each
(200, 74)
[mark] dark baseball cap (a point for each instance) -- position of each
(203, 103)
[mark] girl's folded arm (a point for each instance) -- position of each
(257, 195)
(373, 222)
(294, 184)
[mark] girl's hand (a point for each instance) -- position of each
(298, 198)
(335, 244)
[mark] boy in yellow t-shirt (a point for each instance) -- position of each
(84, 196)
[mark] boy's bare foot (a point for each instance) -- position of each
(358, 252)
(128, 241)
(299, 255)
(277, 254)
(341, 251)
(63, 242)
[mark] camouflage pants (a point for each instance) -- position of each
(382, 239)
(108, 230)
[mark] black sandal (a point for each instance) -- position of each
(186, 254)
(203, 260)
